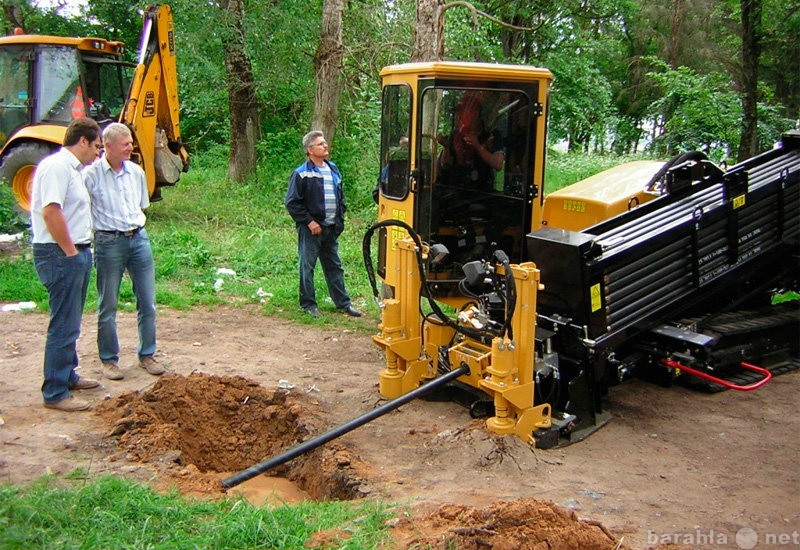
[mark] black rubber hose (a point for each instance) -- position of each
(312, 444)
(484, 337)
(674, 161)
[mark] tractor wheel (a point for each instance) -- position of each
(17, 168)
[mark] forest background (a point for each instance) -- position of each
(632, 77)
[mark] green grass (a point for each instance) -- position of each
(112, 512)
(206, 223)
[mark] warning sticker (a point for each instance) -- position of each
(597, 300)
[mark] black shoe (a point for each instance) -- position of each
(351, 311)
(314, 312)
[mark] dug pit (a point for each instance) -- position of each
(200, 428)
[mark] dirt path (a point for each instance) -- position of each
(672, 466)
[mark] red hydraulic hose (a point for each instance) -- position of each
(720, 381)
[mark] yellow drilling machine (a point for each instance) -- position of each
(527, 308)
(665, 271)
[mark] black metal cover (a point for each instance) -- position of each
(636, 267)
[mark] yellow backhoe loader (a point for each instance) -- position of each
(47, 81)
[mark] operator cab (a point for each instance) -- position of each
(52, 81)
(462, 149)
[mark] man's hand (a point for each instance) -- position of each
(57, 226)
(314, 227)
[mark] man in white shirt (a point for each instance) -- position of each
(118, 189)
(62, 235)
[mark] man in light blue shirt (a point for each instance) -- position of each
(118, 189)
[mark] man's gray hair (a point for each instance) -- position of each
(310, 138)
(114, 131)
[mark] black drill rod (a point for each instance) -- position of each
(312, 444)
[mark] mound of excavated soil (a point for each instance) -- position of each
(203, 425)
(520, 524)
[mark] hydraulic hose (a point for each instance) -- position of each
(481, 336)
(499, 255)
(315, 442)
(749, 387)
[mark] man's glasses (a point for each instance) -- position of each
(98, 146)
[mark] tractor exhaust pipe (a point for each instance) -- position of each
(312, 444)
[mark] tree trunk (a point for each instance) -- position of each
(673, 38)
(428, 31)
(328, 69)
(243, 107)
(12, 18)
(751, 50)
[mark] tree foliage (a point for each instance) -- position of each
(630, 75)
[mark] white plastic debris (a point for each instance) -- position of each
(21, 306)
(285, 385)
(218, 285)
(10, 238)
(226, 271)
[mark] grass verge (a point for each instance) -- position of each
(112, 512)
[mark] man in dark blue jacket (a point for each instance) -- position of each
(315, 201)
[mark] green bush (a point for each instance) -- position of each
(11, 219)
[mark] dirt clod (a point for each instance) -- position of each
(521, 524)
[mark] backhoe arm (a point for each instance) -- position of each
(152, 109)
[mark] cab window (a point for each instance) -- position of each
(474, 157)
(14, 105)
(58, 91)
(393, 181)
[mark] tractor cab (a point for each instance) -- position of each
(462, 161)
(45, 83)
(56, 80)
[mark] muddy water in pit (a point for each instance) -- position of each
(272, 491)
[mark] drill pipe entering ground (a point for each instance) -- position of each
(312, 444)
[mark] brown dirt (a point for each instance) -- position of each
(673, 469)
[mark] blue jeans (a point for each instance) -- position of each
(324, 247)
(66, 280)
(113, 255)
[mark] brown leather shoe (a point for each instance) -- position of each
(70, 404)
(111, 371)
(149, 364)
(84, 384)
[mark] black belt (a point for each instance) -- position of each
(130, 233)
(83, 246)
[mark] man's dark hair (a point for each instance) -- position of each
(81, 127)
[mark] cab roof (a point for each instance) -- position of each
(96, 45)
(469, 70)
